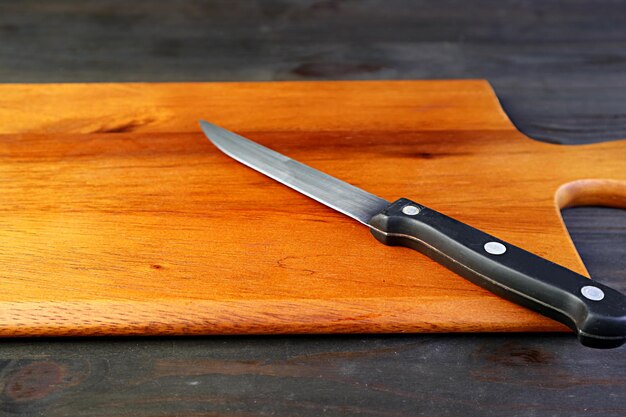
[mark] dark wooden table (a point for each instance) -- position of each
(559, 68)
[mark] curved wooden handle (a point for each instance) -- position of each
(592, 192)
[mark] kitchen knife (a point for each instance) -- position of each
(596, 313)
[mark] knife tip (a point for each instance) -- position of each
(209, 129)
(204, 124)
(216, 135)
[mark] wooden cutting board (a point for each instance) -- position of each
(118, 217)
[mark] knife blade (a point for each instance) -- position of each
(596, 312)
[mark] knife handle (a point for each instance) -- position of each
(596, 313)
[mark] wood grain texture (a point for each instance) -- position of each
(600, 237)
(558, 69)
(285, 107)
(558, 66)
(154, 231)
(309, 376)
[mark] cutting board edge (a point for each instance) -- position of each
(236, 317)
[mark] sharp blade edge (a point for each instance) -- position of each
(332, 192)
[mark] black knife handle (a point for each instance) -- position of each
(594, 311)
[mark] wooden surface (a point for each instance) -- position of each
(153, 231)
(558, 66)
(309, 376)
(558, 70)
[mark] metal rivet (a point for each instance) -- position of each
(495, 248)
(592, 293)
(410, 210)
